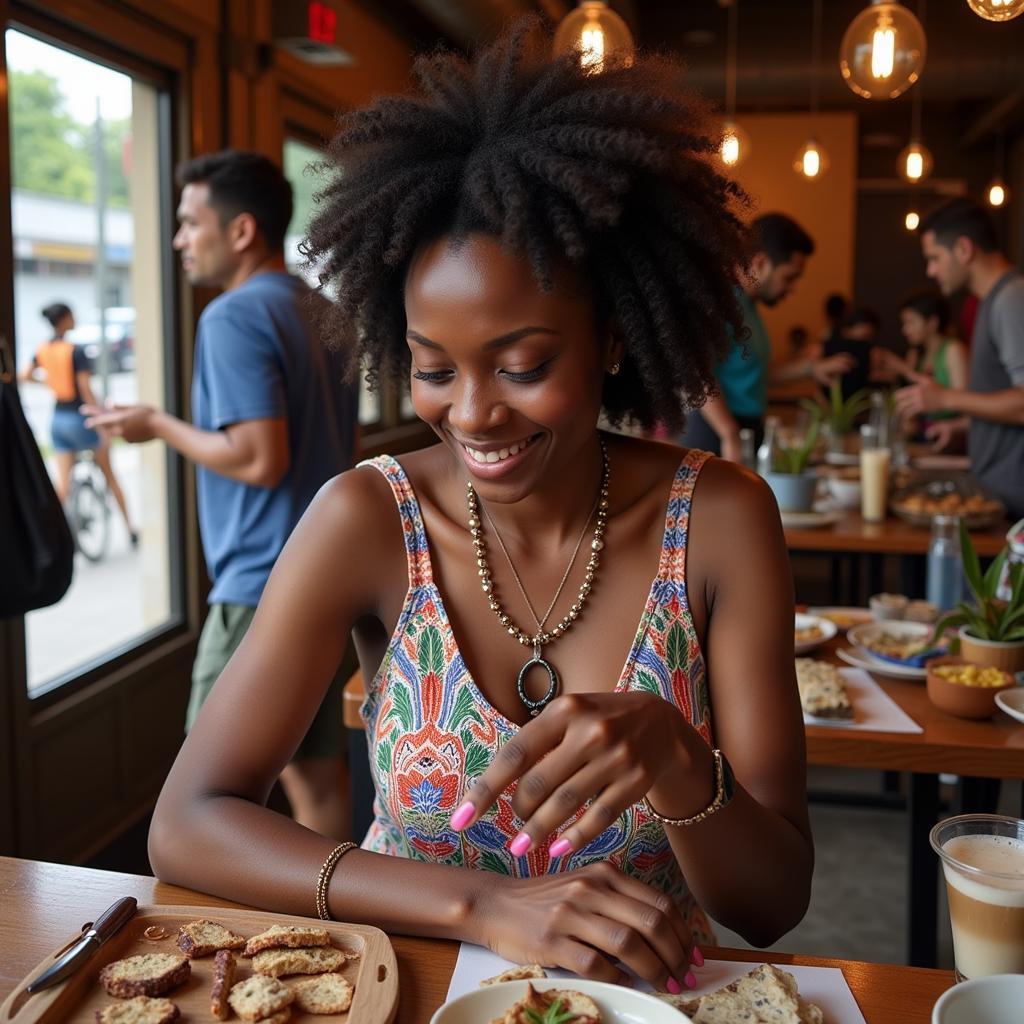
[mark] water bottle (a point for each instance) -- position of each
(766, 451)
(945, 572)
(747, 456)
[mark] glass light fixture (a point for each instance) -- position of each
(735, 147)
(735, 144)
(595, 31)
(911, 220)
(811, 160)
(914, 163)
(883, 51)
(997, 10)
(997, 193)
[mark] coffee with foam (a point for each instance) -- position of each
(986, 906)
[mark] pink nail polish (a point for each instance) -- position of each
(461, 818)
(698, 957)
(690, 981)
(560, 847)
(673, 986)
(520, 844)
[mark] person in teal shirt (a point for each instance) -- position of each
(780, 252)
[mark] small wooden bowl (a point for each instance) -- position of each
(957, 699)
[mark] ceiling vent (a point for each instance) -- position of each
(309, 31)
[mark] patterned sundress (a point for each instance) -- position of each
(430, 730)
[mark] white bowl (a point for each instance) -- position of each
(997, 999)
(1012, 701)
(860, 636)
(617, 1004)
(844, 493)
(827, 627)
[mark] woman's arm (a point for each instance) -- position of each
(957, 363)
(750, 864)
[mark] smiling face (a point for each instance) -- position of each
(509, 377)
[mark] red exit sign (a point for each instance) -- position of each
(322, 22)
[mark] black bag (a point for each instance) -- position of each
(36, 549)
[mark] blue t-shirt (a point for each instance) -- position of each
(743, 374)
(259, 356)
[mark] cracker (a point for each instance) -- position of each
(148, 974)
(138, 1010)
(203, 937)
(822, 693)
(516, 974)
(224, 966)
(277, 1018)
(259, 997)
(314, 960)
(285, 936)
(325, 993)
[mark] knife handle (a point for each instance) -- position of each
(114, 917)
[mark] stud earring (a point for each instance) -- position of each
(614, 368)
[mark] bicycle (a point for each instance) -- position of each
(87, 507)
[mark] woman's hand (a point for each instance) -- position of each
(611, 748)
(584, 921)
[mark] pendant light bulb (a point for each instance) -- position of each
(594, 31)
(997, 193)
(914, 163)
(811, 161)
(997, 10)
(911, 220)
(883, 51)
(735, 145)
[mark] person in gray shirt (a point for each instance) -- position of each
(961, 250)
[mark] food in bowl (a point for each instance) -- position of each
(887, 607)
(808, 634)
(921, 611)
(844, 488)
(963, 689)
(889, 645)
(552, 1006)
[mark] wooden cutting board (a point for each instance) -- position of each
(374, 974)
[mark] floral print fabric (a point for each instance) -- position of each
(430, 730)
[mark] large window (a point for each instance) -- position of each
(90, 244)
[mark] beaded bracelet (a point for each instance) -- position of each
(323, 880)
(721, 798)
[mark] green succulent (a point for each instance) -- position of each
(793, 459)
(841, 415)
(989, 618)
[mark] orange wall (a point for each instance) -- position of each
(825, 208)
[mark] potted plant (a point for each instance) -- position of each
(991, 631)
(841, 414)
(789, 480)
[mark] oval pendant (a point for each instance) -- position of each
(535, 707)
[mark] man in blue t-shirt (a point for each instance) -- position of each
(272, 421)
(780, 249)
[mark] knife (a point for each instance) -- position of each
(108, 923)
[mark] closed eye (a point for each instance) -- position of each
(432, 376)
(527, 376)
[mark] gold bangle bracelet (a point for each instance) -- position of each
(323, 880)
(716, 803)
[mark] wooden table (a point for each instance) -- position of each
(44, 905)
(851, 534)
(992, 749)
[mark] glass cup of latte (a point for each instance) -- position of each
(983, 861)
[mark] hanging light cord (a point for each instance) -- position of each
(915, 97)
(730, 62)
(815, 58)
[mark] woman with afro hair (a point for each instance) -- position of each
(581, 710)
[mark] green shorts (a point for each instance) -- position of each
(223, 630)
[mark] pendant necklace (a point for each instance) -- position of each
(541, 637)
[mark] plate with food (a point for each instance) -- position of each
(907, 644)
(810, 631)
(557, 1001)
(823, 694)
(854, 656)
(948, 497)
(843, 617)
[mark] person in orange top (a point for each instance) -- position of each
(65, 367)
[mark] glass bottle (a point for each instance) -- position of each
(766, 451)
(945, 571)
(747, 455)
